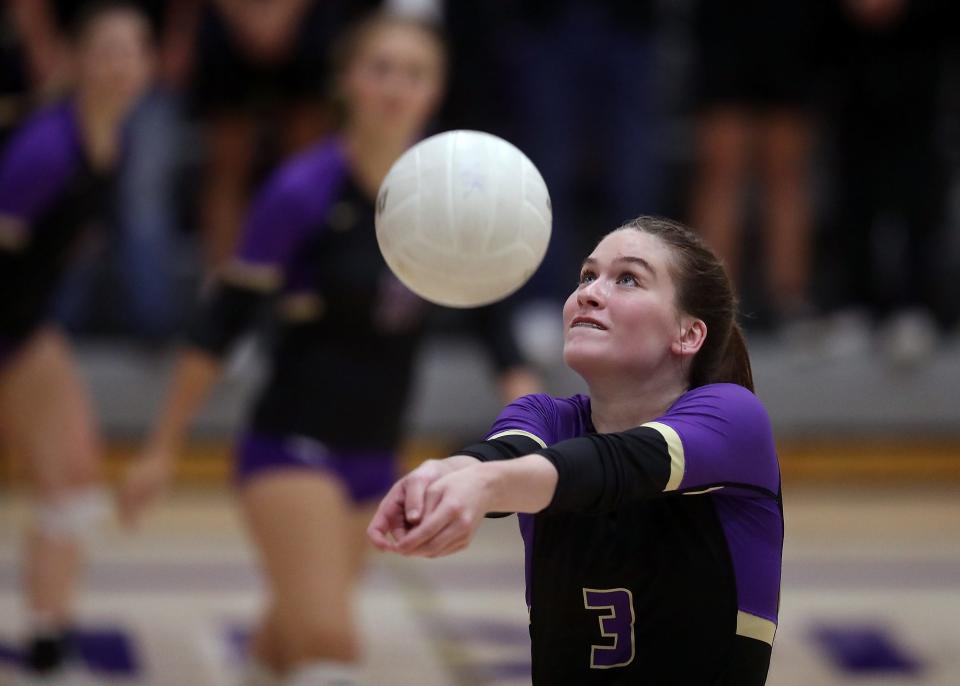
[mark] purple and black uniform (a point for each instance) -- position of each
(658, 560)
(348, 331)
(48, 194)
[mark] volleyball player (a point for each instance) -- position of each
(55, 175)
(320, 447)
(650, 509)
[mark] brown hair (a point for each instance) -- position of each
(348, 44)
(92, 12)
(704, 291)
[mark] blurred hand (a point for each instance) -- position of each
(266, 30)
(454, 505)
(145, 481)
(876, 14)
(403, 507)
(517, 382)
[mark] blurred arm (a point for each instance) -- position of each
(265, 28)
(195, 373)
(177, 42)
(493, 327)
(41, 41)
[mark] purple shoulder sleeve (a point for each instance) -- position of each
(291, 205)
(533, 416)
(720, 434)
(36, 164)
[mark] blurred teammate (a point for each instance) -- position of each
(54, 178)
(321, 442)
(141, 248)
(650, 509)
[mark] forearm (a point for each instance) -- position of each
(457, 462)
(195, 374)
(602, 472)
(43, 45)
(526, 484)
(34, 21)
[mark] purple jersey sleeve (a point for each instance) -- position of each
(719, 434)
(713, 437)
(293, 204)
(532, 416)
(35, 166)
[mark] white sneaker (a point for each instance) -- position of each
(909, 338)
(324, 673)
(847, 334)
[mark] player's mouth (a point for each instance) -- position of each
(587, 323)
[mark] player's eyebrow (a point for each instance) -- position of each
(590, 261)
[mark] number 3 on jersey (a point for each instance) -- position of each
(616, 622)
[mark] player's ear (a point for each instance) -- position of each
(690, 338)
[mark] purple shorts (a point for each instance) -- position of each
(365, 475)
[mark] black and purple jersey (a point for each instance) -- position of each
(658, 560)
(48, 194)
(343, 356)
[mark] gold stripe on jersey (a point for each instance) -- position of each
(752, 626)
(704, 490)
(13, 233)
(675, 448)
(257, 277)
(519, 432)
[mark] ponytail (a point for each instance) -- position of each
(734, 366)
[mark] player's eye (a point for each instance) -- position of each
(628, 279)
(586, 276)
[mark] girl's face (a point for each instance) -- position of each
(114, 58)
(622, 317)
(394, 82)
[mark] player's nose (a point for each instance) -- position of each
(591, 295)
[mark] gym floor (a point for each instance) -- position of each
(871, 593)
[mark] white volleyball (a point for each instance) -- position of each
(463, 218)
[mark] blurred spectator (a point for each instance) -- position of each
(891, 175)
(257, 63)
(143, 217)
(754, 86)
(581, 78)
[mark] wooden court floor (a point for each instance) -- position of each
(871, 587)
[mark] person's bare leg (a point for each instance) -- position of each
(266, 657)
(46, 414)
(299, 521)
(359, 544)
(724, 154)
(231, 142)
(785, 161)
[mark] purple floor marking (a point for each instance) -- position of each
(864, 649)
(108, 651)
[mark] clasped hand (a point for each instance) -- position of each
(434, 510)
